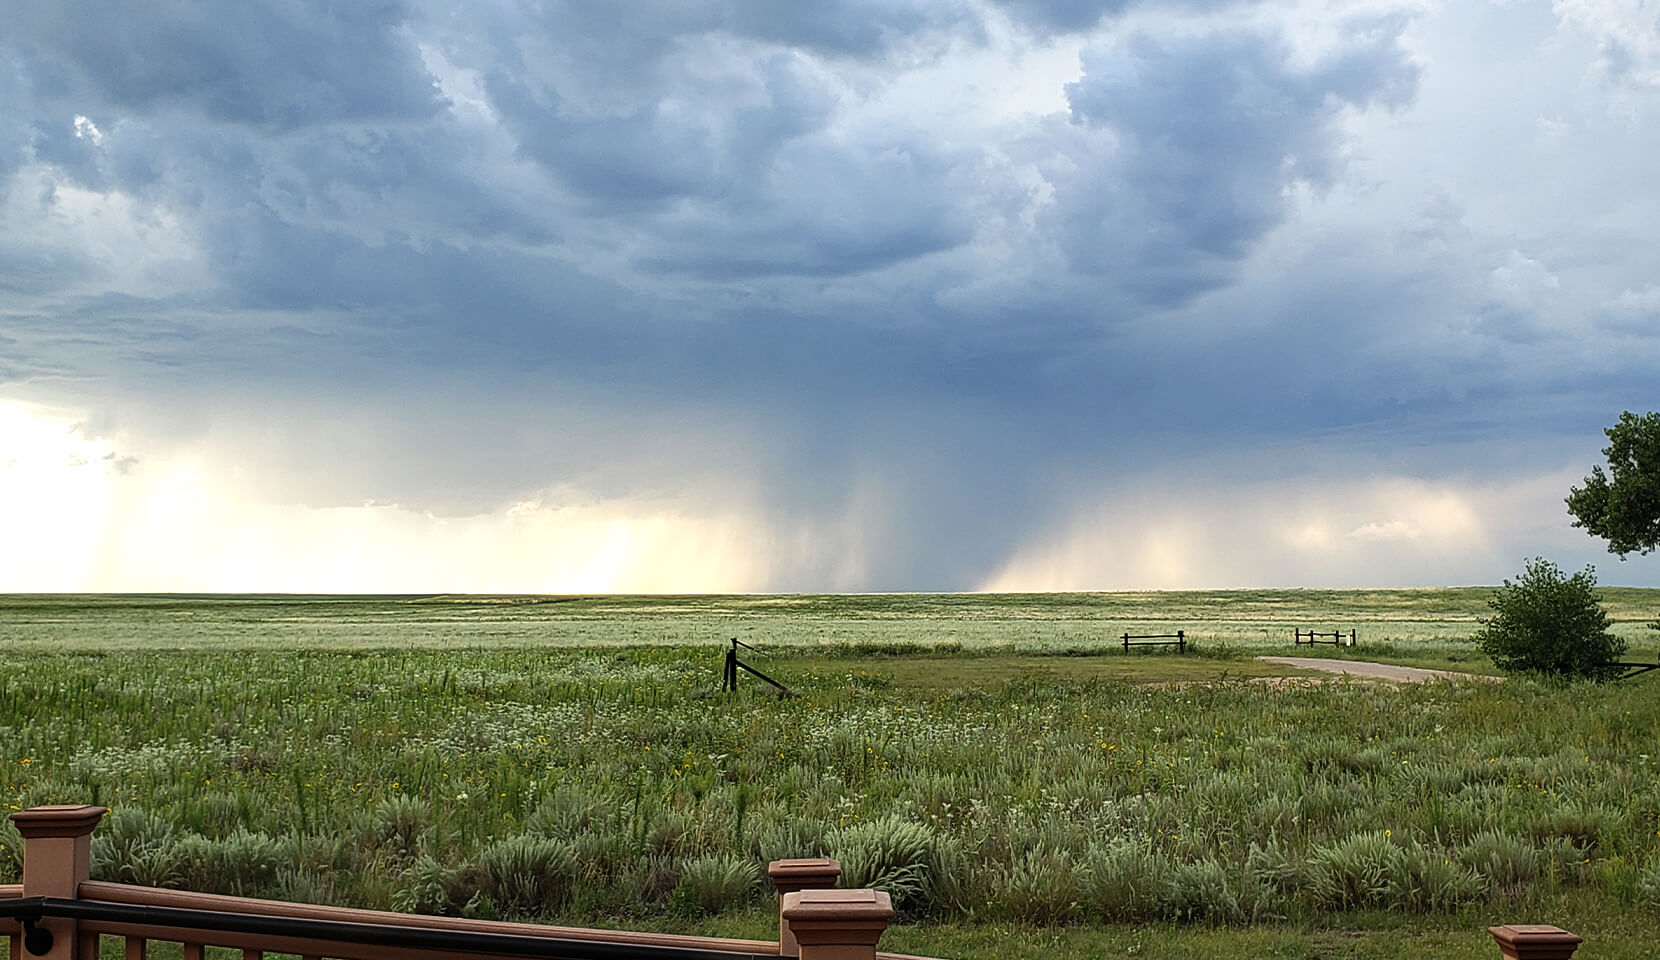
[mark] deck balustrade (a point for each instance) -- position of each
(59, 913)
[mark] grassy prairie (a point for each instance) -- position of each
(1018, 622)
(572, 759)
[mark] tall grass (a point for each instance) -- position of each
(593, 785)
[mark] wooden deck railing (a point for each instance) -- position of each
(59, 913)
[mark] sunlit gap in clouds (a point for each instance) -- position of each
(1319, 532)
(80, 516)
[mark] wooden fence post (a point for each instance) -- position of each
(57, 856)
(838, 924)
(791, 876)
(1534, 941)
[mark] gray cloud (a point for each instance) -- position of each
(1187, 145)
(271, 66)
(804, 257)
(1080, 16)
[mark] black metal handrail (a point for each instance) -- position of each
(37, 940)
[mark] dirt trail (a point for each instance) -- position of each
(1380, 671)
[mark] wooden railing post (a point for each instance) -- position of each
(57, 857)
(791, 876)
(837, 924)
(1534, 941)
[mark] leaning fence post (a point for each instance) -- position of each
(1534, 941)
(57, 857)
(837, 924)
(790, 876)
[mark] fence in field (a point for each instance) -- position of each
(59, 913)
(1336, 638)
(1177, 640)
(729, 672)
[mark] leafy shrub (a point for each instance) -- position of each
(1271, 878)
(715, 883)
(786, 839)
(1551, 624)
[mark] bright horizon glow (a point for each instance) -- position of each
(99, 522)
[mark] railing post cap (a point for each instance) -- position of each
(845, 917)
(792, 875)
(58, 820)
(1535, 941)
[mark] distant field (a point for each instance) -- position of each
(571, 759)
(1079, 622)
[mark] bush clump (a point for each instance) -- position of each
(1551, 624)
(528, 874)
(711, 884)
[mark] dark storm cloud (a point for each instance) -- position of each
(724, 161)
(1189, 143)
(693, 134)
(276, 66)
(398, 253)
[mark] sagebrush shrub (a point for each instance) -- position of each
(132, 846)
(901, 857)
(529, 874)
(1507, 862)
(1127, 881)
(567, 811)
(1354, 872)
(1429, 881)
(401, 819)
(1203, 890)
(1040, 887)
(242, 864)
(1581, 824)
(1648, 884)
(427, 886)
(715, 883)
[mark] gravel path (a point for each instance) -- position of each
(1382, 671)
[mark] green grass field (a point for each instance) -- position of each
(995, 762)
(1018, 622)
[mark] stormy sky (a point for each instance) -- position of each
(733, 295)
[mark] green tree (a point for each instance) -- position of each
(1622, 505)
(1551, 624)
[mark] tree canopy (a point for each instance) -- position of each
(1622, 505)
(1551, 624)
